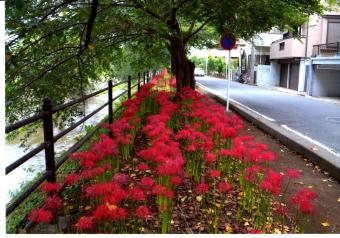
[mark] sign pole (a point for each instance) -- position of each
(228, 79)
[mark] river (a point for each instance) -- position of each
(30, 168)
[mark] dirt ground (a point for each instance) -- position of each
(326, 188)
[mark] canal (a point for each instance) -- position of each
(28, 170)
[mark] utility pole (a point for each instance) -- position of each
(252, 62)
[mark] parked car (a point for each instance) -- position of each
(199, 73)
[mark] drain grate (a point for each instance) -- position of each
(335, 120)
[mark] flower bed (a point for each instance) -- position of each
(175, 166)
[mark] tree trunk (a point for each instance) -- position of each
(181, 66)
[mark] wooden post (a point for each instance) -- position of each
(48, 138)
(129, 86)
(138, 82)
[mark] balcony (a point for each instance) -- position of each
(326, 50)
(288, 48)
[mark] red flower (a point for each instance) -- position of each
(303, 199)
(121, 178)
(201, 188)
(53, 203)
(40, 215)
(210, 158)
(254, 231)
(72, 179)
(293, 173)
(214, 173)
(142, 212)
(50, 187)
(136, 194)
(176, 180)
(146, 182)
(158, 190)
(142, 167)
(271, 182)
(223, 187)
(84, 223)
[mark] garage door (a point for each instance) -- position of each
(294, 76)
(283, 75)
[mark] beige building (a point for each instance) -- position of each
(311, 63)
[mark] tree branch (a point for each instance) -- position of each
(90, 23)
(53, 10)
(197, 30)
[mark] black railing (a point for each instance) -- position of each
(325, 50)
(46, 115)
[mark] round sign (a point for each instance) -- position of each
(228, 41)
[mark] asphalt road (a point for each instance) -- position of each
(316, 120)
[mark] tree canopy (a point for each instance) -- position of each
(59, 48)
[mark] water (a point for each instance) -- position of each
(30, 168)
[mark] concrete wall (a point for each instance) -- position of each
(292, 48)
(326, 83)
(268, 75)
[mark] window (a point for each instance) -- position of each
(282, 46)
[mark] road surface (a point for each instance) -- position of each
(315, 120)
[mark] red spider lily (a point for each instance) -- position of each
(158, 190)
(146, 182)
(84, 223)
(50, 187)
(136, 194)
(210, 158)
(109, 212)
(116, 196)
(214, 173)
(176, 180)
(224, 187)
(271, 182)
(40, 215)
(303, 199)
(254, 231)
(88, 159)
(53, 203)
(251, 173)
(142, 212)
(121, 178)
(293, 173)
(106, 146)
(72, 179)
(142, 167)
(96, 190)
(201, 188)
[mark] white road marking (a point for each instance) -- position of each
(248, 108)
(312, 140)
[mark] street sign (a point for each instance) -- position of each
(227, 41)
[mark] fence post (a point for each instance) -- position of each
(129, 86)
(48, 138)
(144, 78)
(109, 93)
(138, 82)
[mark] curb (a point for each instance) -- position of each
(326, 160)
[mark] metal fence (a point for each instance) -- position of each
(46, 115)
(326, 50)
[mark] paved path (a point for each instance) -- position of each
(315, 120)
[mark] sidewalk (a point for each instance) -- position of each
(325, 219)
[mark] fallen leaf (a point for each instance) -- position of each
(199, 198)
(338, 199)
(87, 208)
(172, 222)
(310, 186)
(324, 180)
(246, 223)
(229, 213)
(314, 149)
(277, 231)
(228, 228)
(184, 198)
(325, 224)
(217, 205)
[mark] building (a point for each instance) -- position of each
(309, 64)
